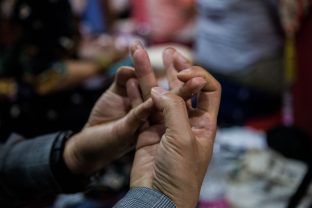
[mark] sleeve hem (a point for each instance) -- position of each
(141, 197)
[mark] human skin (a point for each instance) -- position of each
(172, 155)
(112, 128)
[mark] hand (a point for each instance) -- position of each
(109, 132)
(112, 126)
(173, 157)
(114, 103)
(174, 62)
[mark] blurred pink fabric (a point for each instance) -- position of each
(165, 19)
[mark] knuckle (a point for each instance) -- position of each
(218, 86)
(199, 69)
(137, 116)
(134, 116)
(174, 100)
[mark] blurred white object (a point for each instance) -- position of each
(267, 180)
(155, 54)
(119, 5)
(241, 138)
(245, 173)
(78, 6)
(213, 190)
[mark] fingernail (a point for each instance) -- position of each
(169, 50)
(168, 55)
(158, 91)
(137, 45)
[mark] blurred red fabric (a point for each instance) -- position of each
(302, 89)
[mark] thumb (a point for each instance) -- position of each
(136, 117)
(175, 115)
(181, 62)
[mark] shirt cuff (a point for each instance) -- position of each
(141, 197)
(26, 170)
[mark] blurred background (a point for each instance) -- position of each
(58, 56)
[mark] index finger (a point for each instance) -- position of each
(173, 63)
(178, 128)
(143, 69)
(210, 95)
(171, 72)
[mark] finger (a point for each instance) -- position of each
(175, 115)
(210, 95)
(173, 63)
(122, 76)
(171, 72)
(143, 69)
(181, 62)
(136, 117)
(190, 88)
(133, 92)
(150, 136)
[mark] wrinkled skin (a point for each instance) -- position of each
(112, 128)
(172, 155)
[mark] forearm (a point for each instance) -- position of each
(26, 169)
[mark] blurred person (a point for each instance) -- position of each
(38, 54)
(41, 44)
(46, 68)
(63, 162)
(242, 43)
(165, 21)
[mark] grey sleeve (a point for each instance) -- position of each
(143, 197)
(25, 169)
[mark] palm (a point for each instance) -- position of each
(114, 103)
(111, 127)
(149, 146)
(109, 107)
(144, 161)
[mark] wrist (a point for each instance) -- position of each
(77, 155)
(68, 180)
(69, 156)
